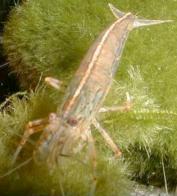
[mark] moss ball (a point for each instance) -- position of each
(51, 37)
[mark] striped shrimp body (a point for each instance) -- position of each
(65, 130)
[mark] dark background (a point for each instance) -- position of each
(8, 83)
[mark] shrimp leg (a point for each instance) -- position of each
(107, 138)
(53, 82)
(123, 108)
(34, 127)
(92, 155)
(31, 128)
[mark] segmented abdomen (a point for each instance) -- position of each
(94, 76)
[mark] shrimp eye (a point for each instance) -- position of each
(72, 121)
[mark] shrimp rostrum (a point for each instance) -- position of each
(64, 130)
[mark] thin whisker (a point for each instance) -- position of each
(3, 65)
(16, 168)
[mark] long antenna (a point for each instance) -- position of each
(3, 65)
(16, 168)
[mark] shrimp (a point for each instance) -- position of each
(65, 130)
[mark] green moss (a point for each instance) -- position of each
(73, 175)
(51, 37)
(146, 134)
(74, 179)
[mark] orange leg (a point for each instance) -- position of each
(107, 138)
(92, 155)
(31, 128)
(53, 82)
(124, 108)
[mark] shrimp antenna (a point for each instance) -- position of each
(16, 168)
